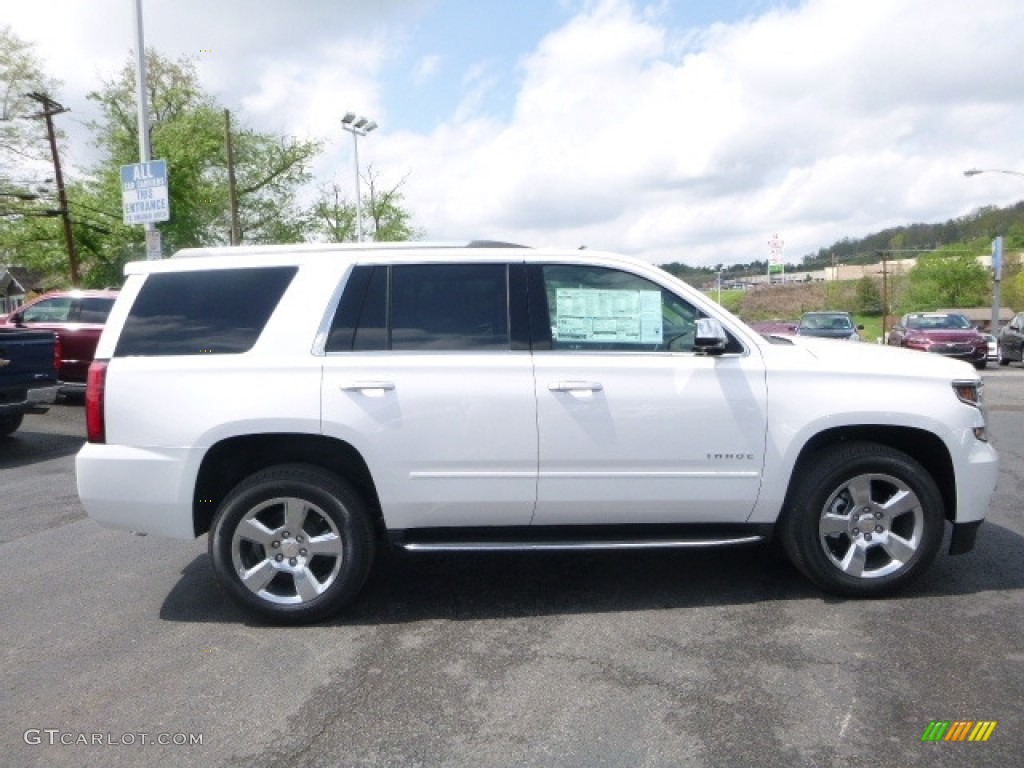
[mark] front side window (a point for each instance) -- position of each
(601, 309)
(55, 310)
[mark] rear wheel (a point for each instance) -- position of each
(292, 543)
(863, 521)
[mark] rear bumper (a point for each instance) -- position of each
(144, 490)
(39, 400)
(35, 400)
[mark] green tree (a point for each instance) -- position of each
(30, 230)
(23, 144)
(868, 297)
(390, 220)
(332, 217)
(187, 129)
(947, 280)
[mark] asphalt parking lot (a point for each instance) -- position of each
(120, 650)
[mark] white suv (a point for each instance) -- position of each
(309, 404)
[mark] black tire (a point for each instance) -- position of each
(875, 546)
(981, 365)
(267, 527)
(9, 424)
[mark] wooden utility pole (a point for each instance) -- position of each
(236, 229)
(51, 108)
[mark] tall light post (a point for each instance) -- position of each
(357, 126)
(997, 254)
(153, 246)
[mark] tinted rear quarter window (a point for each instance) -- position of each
(205, 312)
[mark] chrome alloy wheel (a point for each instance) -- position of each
(287, 550)
(871, 526)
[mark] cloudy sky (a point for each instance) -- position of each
(676, 130)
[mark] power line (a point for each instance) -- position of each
(77, 204)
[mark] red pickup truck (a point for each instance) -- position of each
(77, 318)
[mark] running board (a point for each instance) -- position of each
(582, 538)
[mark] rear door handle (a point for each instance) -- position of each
(575, 386)
(368, 387)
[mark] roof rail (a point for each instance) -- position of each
(493, 244)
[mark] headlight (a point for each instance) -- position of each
(970, 392)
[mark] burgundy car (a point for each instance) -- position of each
(942, 333)
(77, 317)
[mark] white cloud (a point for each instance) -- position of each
(825, 120)
(426, 68)
(831, 120)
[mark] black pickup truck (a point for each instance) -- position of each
(28, 375)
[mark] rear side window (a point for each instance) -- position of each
(207, 312)
(449, 307)
(95, 309)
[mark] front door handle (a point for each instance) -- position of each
(575, 386)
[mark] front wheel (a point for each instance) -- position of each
(292, 543)
(864, 521)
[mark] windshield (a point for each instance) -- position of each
(935, 321)
(833, 322)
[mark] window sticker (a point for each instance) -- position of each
(601, 316)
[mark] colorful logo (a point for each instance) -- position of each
(958, 730)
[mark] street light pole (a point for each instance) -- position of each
(357, 126)
(145, 150)
(997, 254)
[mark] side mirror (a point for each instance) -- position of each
(711, 338)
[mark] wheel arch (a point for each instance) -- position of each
(231, 460)
(925, 447)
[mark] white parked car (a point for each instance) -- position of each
(993, 346)
(307, 405)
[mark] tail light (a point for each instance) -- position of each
(58, 355)
(95, 386)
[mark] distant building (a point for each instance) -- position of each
(982, 316)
